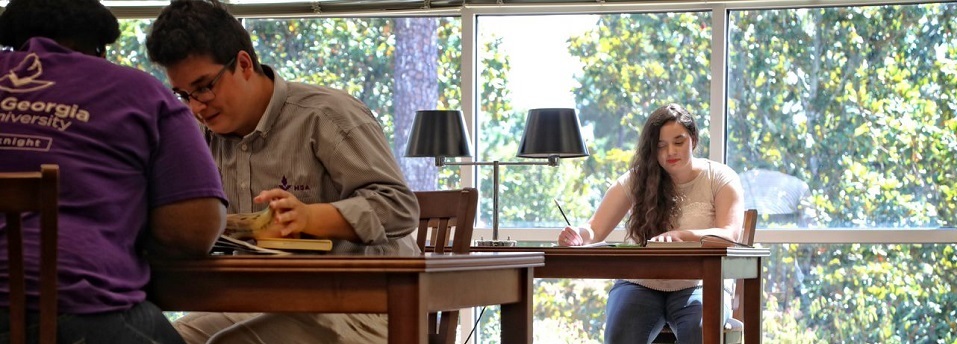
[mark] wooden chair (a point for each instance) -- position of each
(446, 219)
(31, 192)
(733, 328)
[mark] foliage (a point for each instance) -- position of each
(565, 311)
(349, 54)
(855, 101)
(902, 293)
(357, 55)
(782, 326)
(859, 103)
(586, 317)
(130, 48)
(649, 60)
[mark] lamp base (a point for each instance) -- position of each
(496, 243)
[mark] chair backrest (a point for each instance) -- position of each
(747, 238)
(446, 219)
(31, 192)
(747, 229)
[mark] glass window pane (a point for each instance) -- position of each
(394, 65)
(130, 48)
(614, 69)
(844, 117)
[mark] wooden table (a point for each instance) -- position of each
(711, 265)
(407, 288)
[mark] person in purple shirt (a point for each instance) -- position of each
(134, 179)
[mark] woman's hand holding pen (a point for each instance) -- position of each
(570, 237)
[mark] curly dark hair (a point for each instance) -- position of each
(655, 207)
(198, 28)
(82, 25)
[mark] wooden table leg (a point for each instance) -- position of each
(408, 316)
(712, 303)
(517, 317)
(752, 307)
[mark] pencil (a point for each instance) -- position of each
(563, 212)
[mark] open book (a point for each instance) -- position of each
(599, 244)
(674, 244)
(229, 246)
(706, 241)
(651, 244)
(242, 229)
(276, 246)
(245, 225)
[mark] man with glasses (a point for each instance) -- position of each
(131, 178)
(205, 93)
(315, 155)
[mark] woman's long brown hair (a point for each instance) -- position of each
(655, 208)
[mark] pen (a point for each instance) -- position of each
(563, 212)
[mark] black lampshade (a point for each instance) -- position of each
(550, 132)
(438, 133)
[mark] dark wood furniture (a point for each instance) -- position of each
(35, 192)
(711, 265)
(446, 220)
(407, 288)
(446, 217)
(733, 328)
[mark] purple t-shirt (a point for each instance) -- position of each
(125, 145)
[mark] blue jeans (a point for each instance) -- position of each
(635, 314)
(144, 323)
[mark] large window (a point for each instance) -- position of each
(614, 69)
(844, 117)
(395, 66)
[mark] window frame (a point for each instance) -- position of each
(469, 14)
(718, 112)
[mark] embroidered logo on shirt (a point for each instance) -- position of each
(23, 77)
(286, 186)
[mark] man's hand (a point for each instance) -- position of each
(290, 216)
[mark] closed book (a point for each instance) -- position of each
(295, 244)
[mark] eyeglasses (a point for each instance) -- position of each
(205, 93)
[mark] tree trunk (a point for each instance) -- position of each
(416, 88)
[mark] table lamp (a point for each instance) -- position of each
(550, 134)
